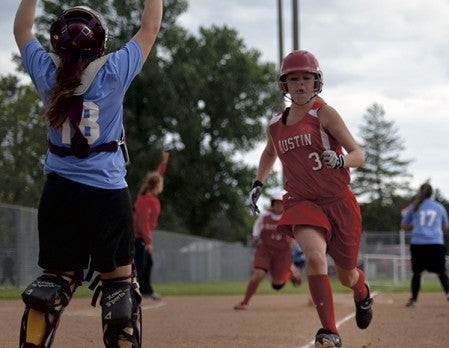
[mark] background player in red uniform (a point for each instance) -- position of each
(273, 252)
(320, 211)
(147, 209)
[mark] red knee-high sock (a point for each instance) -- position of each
(250, 291)
(321, 291)
(360, 290)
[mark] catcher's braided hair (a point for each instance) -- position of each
(68, 77)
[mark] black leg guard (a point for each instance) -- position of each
(121, 313)
(45, 300)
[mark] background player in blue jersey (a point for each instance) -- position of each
(85, 212)
(299, 261)
(428, 219)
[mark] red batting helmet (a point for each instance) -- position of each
(79, 30)
(300, 61)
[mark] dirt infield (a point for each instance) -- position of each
(281, 321)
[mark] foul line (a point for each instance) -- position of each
(340, 322)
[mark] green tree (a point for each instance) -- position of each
(207, 97)
(384, 174)
(22, 142)
(383, 217)
(382, 183)
(208, 103)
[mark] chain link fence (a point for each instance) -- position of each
(177, 257)
(384, 256)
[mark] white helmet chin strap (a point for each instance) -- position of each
(316, 90)
(294, 102)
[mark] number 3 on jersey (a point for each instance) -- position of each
(317, 159)
(88, 124)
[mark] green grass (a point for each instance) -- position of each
(210, 288)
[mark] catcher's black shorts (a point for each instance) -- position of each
(79, 224)
(430, 257)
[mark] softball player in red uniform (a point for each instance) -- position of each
(321, 212)
(147, 209)
(273, 251)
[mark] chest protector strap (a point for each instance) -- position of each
(79, 146)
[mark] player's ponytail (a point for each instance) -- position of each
(68, 78)
(425, 191)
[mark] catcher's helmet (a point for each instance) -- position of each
(79, 30)
(300, 61)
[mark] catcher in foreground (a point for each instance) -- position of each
(85, 212)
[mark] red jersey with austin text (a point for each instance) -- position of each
(299, 147)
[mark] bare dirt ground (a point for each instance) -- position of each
(272, 321)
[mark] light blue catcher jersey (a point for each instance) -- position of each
(427, 222)
(102, 117)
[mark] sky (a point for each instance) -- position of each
(391, 52)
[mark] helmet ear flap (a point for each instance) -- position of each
(282, 85)
(318, 86)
